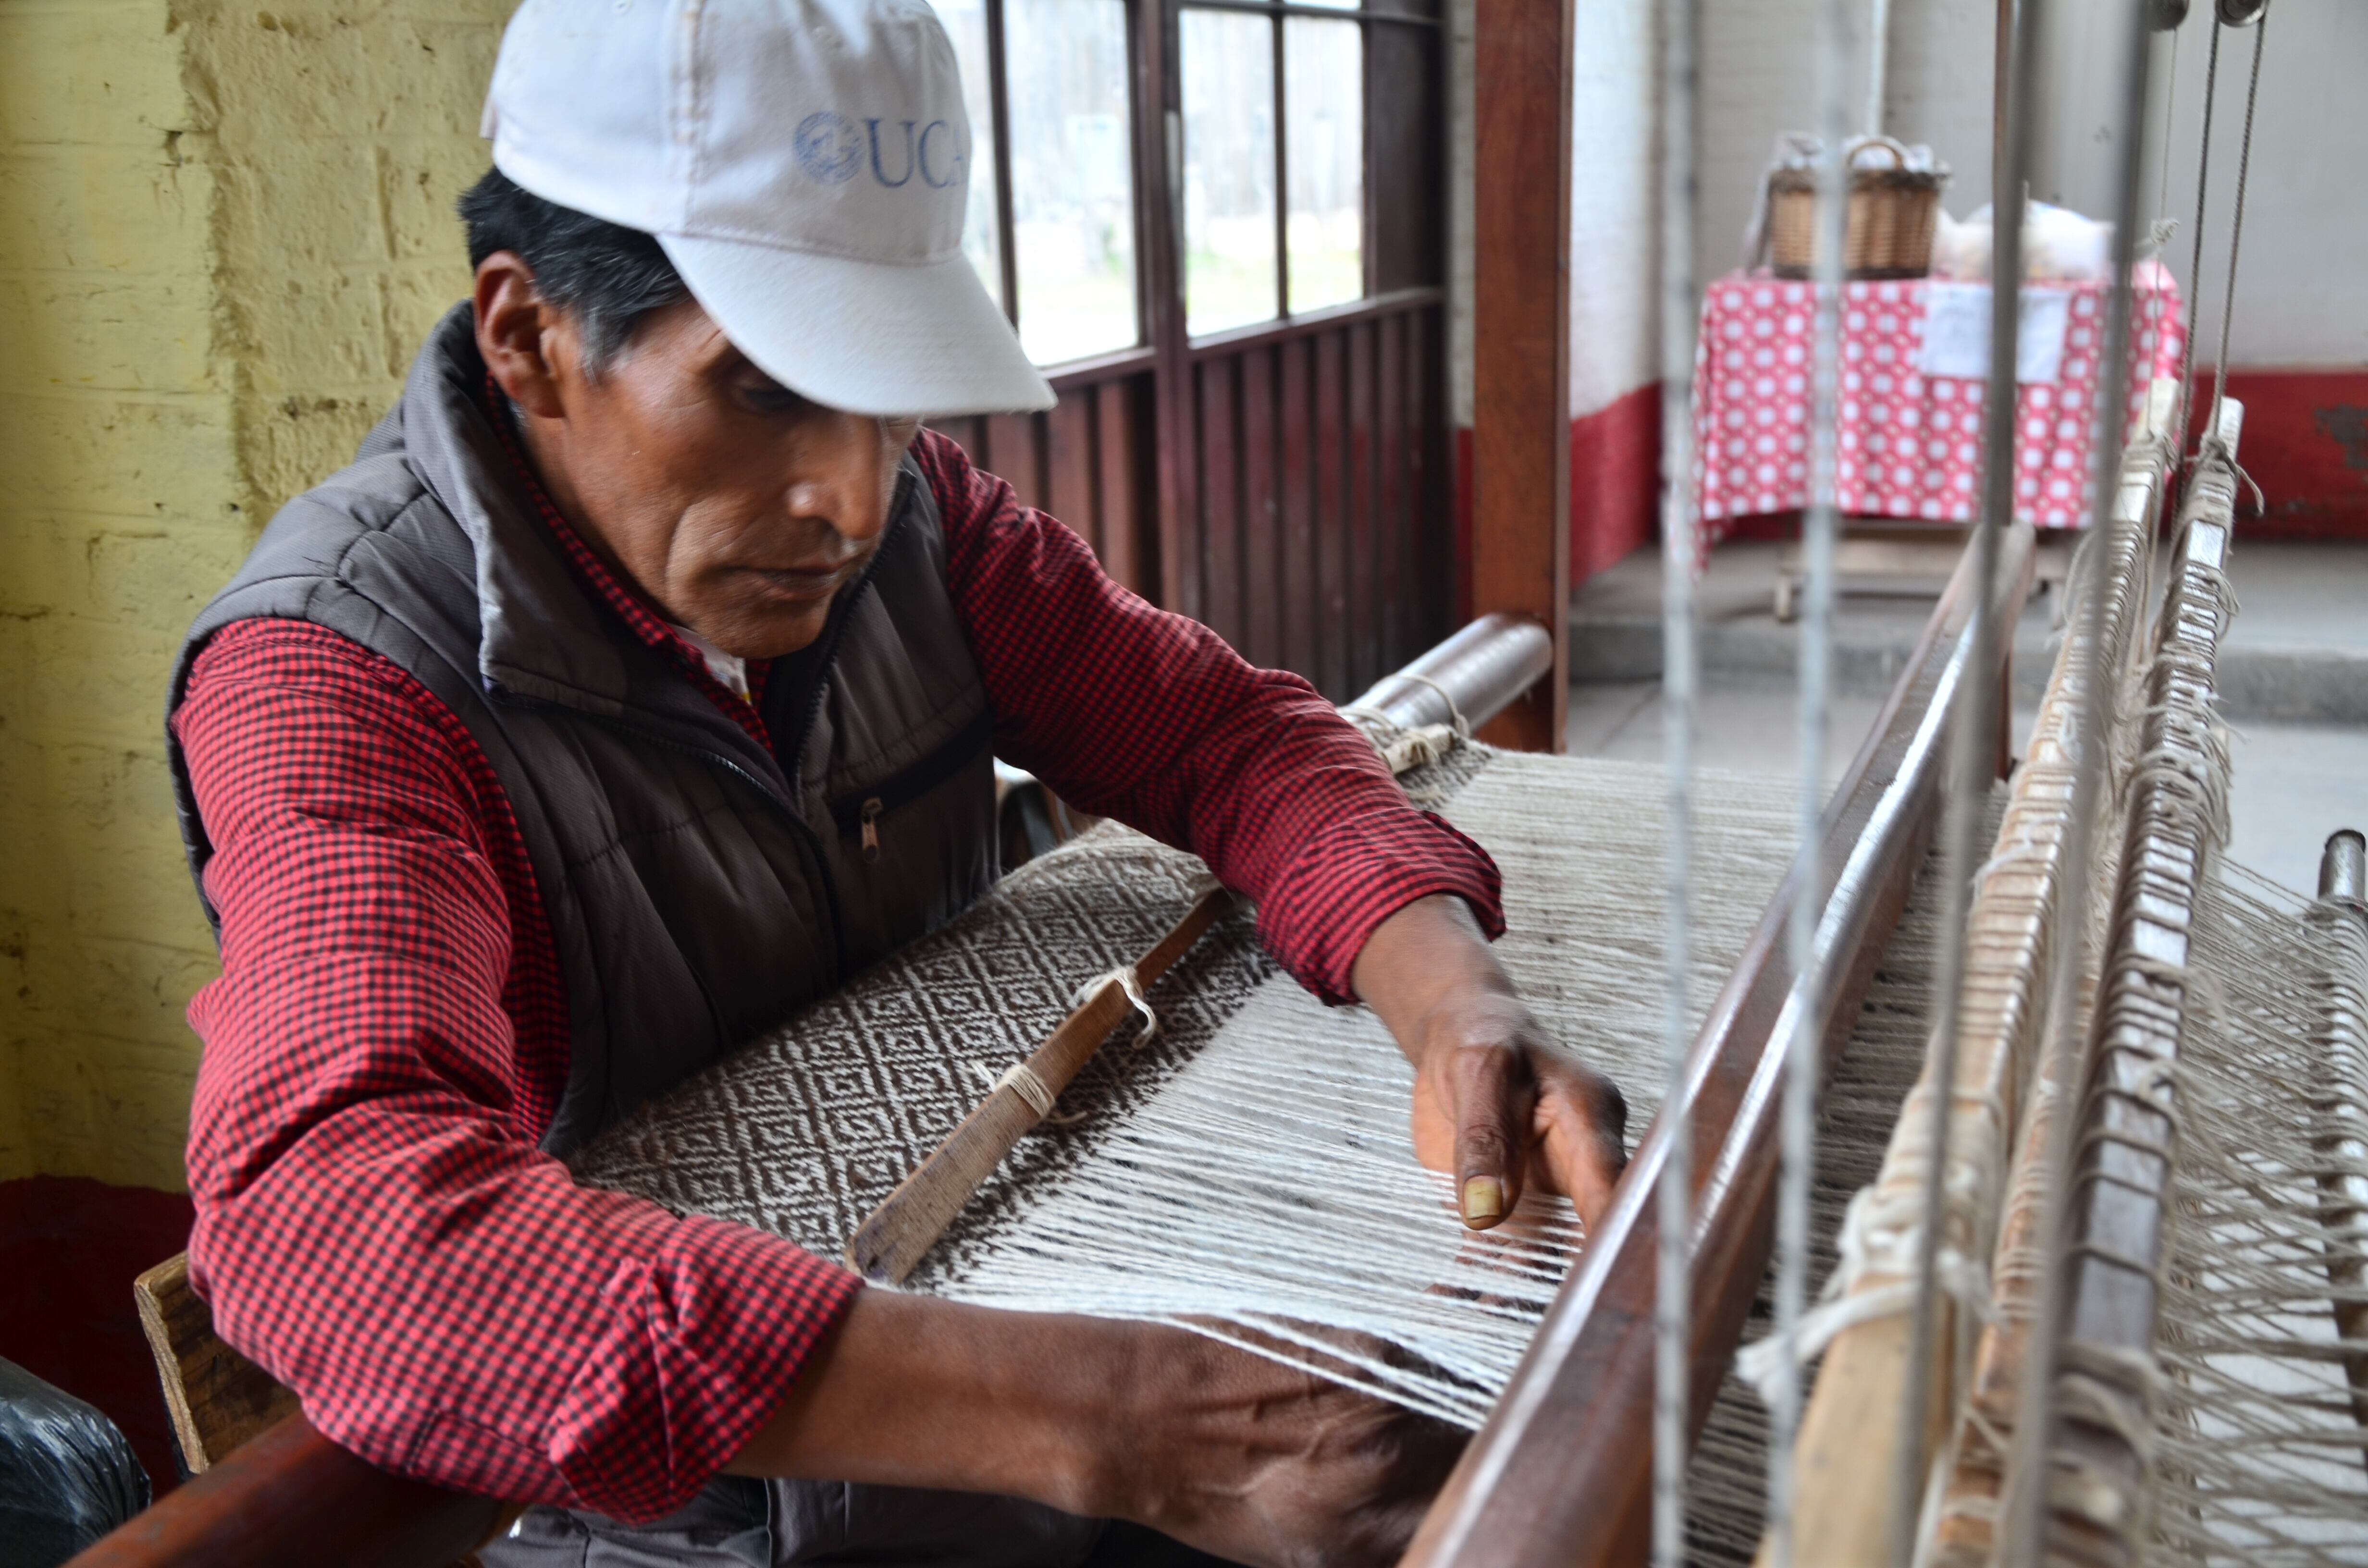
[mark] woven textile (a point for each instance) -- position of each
(807, 1131)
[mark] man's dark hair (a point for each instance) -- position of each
(605, 276)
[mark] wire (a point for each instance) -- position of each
(2024, 1518)
(1680, 87)
(1796, 1169)
(2236, 237)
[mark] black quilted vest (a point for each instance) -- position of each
(697, 891)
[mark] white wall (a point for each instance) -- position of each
(2302, 295)
(2303, 280)
(1613, 330)
(1759, 80)
(1614, 335)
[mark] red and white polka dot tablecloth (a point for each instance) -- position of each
(1909, 444)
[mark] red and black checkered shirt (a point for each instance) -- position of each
(387, 1038)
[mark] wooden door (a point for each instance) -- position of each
(1263, 443)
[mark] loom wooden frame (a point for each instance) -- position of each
(1858, 1403)
(2117, 1227)
(1558, 1475)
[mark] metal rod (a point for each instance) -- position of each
(1796, 1171)
(1673, 1283)
(2343, 868)
(1471, 678)
(1974, 748)
(2236, 223)
(2341, 914)
(2024, 1486)
(2196, 254)
(1878, 66)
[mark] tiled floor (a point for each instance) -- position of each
(2295, 782)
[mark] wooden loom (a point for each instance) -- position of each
(1551, 1476)
(1559, 1473)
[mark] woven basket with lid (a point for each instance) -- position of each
(1888, 230)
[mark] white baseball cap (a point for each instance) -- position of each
(804, 163)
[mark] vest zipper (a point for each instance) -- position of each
(835, 633)
(717, 759)
(861, 814)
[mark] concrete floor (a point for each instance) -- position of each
(2295, 683)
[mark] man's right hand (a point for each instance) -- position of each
(1225, 1450)
(1267, 1463)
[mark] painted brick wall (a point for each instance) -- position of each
(222, 231)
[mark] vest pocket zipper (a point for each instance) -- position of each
(858, 815)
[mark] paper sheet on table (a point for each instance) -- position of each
(1957, 332)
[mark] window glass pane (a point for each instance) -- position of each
(1227, 67)
(1323, 146)
(966, 24)
(1072, 177)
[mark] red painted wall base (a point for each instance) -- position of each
(69, 1251)
(2306, 444)
(1616, 487)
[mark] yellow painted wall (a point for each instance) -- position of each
(222, 232)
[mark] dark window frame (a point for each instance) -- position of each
(1157, 161)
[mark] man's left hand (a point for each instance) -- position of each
(1495, 1101)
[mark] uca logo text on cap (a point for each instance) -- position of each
(833, 151)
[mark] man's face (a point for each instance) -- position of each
(738, 506)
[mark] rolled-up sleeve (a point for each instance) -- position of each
(1132, 712)
(375, 1225)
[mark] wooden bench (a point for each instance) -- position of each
(266, 1489)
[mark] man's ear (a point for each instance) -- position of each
(523, 340)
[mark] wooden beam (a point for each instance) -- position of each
(1520, 386)
(217, 1398)
(1562, 1473)
(290, 1496)
(2118, 1232)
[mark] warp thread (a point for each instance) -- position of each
(1262, 1190)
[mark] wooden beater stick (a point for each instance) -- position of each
(900, 1233)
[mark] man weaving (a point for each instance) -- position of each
(517, 764)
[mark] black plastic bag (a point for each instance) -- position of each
(67, 1476)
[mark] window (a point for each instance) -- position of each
(1324, 106)
(1058, 140)
(1247, 258)
(965, 25)
(1273, 150)
(1227, 64)
(1220, 226)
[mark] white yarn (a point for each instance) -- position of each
(1404, 748)
(1021, 1079)
(1266, 1193)
(1131, 983)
